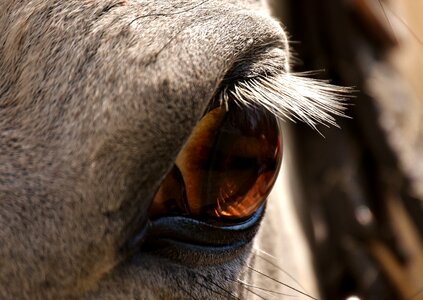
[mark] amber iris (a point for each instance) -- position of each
(226, 169)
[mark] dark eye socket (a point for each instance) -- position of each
(226, 169)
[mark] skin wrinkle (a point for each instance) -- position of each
(95, 103)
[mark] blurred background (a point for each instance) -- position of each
(360, 189)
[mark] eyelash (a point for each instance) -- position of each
(292, 97)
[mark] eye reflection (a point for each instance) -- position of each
(226, 169)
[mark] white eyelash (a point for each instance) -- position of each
(293, 97)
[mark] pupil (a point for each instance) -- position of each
(226, 169)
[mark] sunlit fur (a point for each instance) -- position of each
(293, 97)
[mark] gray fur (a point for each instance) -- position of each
(96, 99)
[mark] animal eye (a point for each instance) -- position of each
(226, 169)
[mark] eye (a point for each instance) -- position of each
(227, 167)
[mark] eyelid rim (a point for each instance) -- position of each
(233, 226)
(186, 230)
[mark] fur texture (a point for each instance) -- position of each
(96, 99)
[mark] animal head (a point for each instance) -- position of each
(96, 100)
